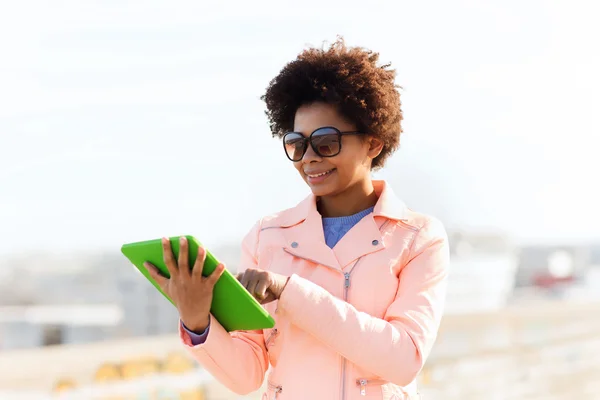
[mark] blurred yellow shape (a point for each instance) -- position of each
(108, 372)
(63, 385)
(177, 363)
(425, 377)
(194, 394)
(140, 367)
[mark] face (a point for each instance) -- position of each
(329, 176)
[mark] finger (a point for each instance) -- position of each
(260, 291)
(199, 263)
(246, 276)
(269, 297)
(238, 276)
(183, 263)
(251, 287)
(213, 278)
(168, 257)
(156, 275)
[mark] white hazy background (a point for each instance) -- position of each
(129, 120)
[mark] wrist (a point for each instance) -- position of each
(198, 326)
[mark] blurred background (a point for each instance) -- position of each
(129, 120)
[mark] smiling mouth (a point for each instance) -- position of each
(320, 174)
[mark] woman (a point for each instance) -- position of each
(354, 279)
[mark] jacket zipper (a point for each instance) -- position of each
(346, 288)
(271, 336)
(362, 383)
(276, 390)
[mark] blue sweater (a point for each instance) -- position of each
(334, 229)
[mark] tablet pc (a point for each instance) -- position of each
(232, 305)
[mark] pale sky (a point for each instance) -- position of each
(131, 120)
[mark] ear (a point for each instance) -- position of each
(375, 147)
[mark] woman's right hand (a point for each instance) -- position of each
(190, 291)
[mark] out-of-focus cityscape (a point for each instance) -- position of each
(131, 120)
(84, 298)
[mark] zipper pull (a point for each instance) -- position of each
(363, 387)
(346, 279)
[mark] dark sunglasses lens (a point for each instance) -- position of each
(326, 142)
(294, 146)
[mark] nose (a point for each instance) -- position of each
(310, 156)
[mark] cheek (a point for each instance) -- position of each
(298, 166)
(350, 164)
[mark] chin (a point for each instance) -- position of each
(319, 192)
(323, 190)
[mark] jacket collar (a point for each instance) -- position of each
(305, 237)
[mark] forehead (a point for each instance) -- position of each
(316, 115)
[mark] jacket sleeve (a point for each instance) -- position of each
(396, 347)
(238, 360)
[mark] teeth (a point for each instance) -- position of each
(321, 174)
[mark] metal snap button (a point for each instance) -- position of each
(294, 244)
(375, 242)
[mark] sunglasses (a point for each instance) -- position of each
(325, 141)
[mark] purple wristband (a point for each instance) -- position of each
(195, 337)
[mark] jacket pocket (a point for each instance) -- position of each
(273, 347)
(380, 389)
(273, 391)
(271, 337)
(370, 387)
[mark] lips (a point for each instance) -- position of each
(314, 175)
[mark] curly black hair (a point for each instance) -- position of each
(347, 77)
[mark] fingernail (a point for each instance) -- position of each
(182, 239)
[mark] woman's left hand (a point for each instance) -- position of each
(265, 286)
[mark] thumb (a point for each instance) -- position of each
(281, 284)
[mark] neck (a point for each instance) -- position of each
(353, 200)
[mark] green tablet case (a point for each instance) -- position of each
(232, 305)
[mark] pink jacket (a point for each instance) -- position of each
(354, 322)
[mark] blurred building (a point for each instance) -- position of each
(559, 271)
(45, 325)
(80, 300)
(539, 264)
(482, 271)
